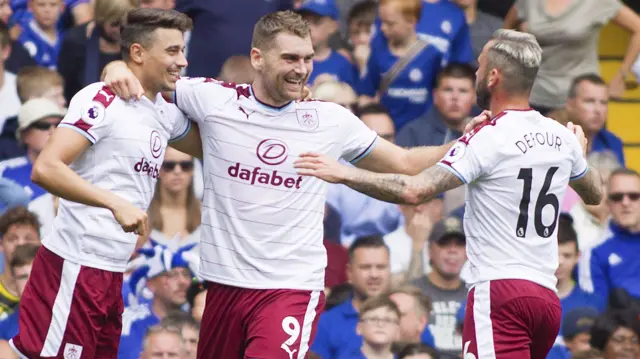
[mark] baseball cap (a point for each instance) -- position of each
(579, 320)
(35, 110)
(321, 8)
(450, 226)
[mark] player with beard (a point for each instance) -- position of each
(261, 250)
(517, 166)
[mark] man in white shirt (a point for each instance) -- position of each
(261, 249)
(103, 162)
(517, 167)
(9, 101)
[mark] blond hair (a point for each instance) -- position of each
(107, 11)
(518, 56)
(35, 81)
(270, 25)
(423, 302)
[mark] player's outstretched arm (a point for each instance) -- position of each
(190, 143)
(51, 171)
(395, 188)
(589, 187)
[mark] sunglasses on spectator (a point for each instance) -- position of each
(618, 197)
(43, 125)
(171, 165)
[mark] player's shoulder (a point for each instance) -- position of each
(215, 90)
(490, 130)
(96, 92)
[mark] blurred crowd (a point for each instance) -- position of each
(395, 280)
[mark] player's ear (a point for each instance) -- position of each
(136, 53)
(256, 58)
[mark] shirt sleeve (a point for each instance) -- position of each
(88, 112)
(194, 94)
(181, 123)
(358, 140)
(579, 165)
(605, 10)
(472, 156)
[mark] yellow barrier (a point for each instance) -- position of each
(632, 157)
(613, 41)
(624, 122)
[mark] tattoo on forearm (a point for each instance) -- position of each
(416, 265)
(589, 187)
(405, 189)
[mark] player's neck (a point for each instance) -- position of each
(443, 283)
(376, 352)
(322, 53)
(501, 102)
(261, 93)
(565, 287)
(151, 90)
(471, 13)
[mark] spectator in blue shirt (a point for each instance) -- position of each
(40, 35)
(322, 16)
(575, 331)
(588, 106)
(615, 264)
(20, 265)
(443, 23)
(571, 295)
(369, 273)
(406, 93)
(379, 326)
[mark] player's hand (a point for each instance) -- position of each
(582, 139)
(131, 218)
(484, 116)
(119, 78)
(320, 166)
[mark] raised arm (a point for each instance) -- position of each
(589, 187)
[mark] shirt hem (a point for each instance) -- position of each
(515, 273)
(89, 261)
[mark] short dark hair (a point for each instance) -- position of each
(363, 14)
(366, 242)
(608, 323)
(417, 348)
(457, 71)
(5, 39)
(591, 78)
(379, 301)
(138, 26)
(23, 255)
(18, 215)
(373, 108)
(270, 25)
(566, 232)
(180, 320)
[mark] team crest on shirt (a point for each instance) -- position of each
(415, 75)
(455, 152)
(308, 119)
(72, 351)
(446, 26)
(93, 113)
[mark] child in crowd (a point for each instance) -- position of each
(40, 35)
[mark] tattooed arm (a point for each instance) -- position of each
(589, 187)
(405, 189)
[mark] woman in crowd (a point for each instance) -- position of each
(617, 335)
(174, 212)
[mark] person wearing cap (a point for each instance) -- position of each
(37, 118)
(575, 331)
(443, 284)
(323, 16)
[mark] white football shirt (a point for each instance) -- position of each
(128, 145)
(517, 167)
(262, 222)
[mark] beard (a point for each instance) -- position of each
(483, 94)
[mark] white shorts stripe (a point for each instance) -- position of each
(61, 309)
(307, 324)
(482, 320)
(20, 355)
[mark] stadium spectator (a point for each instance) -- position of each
(175, 212)
(402, 66)
(588, 354)
(228, 25)
(169, 286)
(409, 239)
(162, 342)
(378, 324)
(414, 315)
(87, 48)
(587, 106)
(571, 295)
(31, 82)
(40, 34)
(327, 89)
(443, 284)
(454, 96)
(482, 25)
(322, 16)
(12, 195)
(18, 56)
(36, 121)
(568, 33)
(575, 332)
(18, 226)
(368, 272)
(75, 12)
(592, 222)
(443, 24)
(380, 218)
(615, 264)
(189, 329)
(20, 266)
(196, 296)
(237, 69)
(617, 335)
(418, 351)
(359, 27)
(9, 101)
